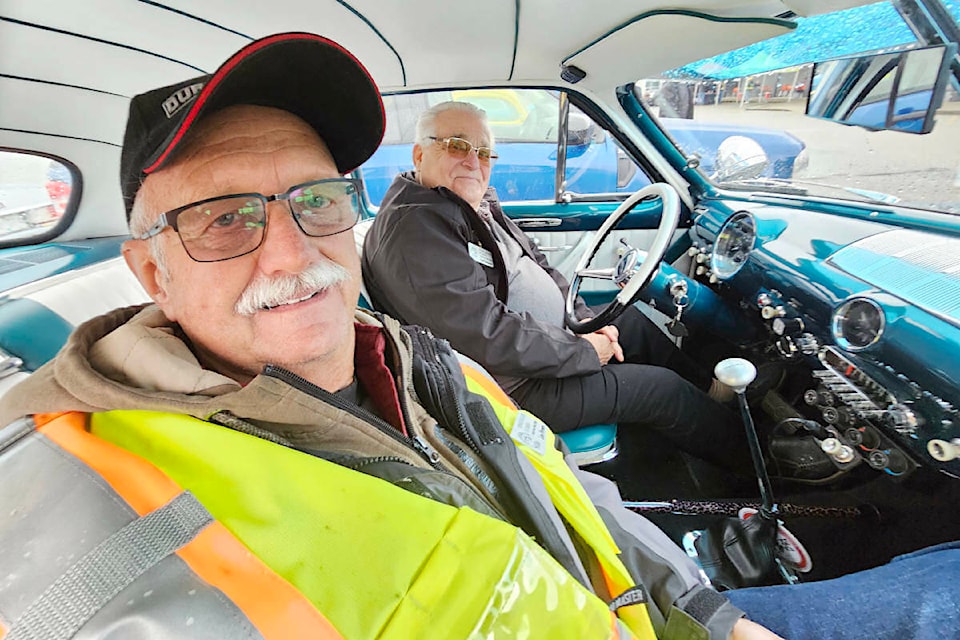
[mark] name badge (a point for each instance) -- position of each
(531, 431)
(480, 255)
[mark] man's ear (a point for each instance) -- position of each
(144, 266)
(417, 156)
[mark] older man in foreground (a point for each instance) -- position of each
(250, 457)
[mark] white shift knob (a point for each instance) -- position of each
(736, 373)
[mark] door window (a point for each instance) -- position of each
(525, 123)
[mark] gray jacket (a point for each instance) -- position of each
(417, 267)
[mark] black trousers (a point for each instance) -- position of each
(656, 387)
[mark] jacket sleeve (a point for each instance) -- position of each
(681, 606)
(418, 268)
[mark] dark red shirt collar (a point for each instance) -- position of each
(373, 374)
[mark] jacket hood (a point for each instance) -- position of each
(136, 359)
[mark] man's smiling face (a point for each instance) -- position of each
(466, 177)
(255, 150)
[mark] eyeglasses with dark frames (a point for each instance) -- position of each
(460, 149)
(231, 226)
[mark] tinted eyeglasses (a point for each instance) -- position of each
(460, 149)
(228, 227)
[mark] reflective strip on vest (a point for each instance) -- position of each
(379, 561)
(89, 584)
(569, 497)
(271, 604)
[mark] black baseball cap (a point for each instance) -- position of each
(303, 73)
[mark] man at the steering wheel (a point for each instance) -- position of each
(441, 254)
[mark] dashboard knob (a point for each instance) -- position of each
(808, 344)
(837, 450)
(878, 459)
(944, 451)
(900, 418)
(769, 313)
(830, 415)
(787, 326)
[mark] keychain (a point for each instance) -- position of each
(675, 327)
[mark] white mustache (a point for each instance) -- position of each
(274, 291)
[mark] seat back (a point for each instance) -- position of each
(36, 319)
(359, 234)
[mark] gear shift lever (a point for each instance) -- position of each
(737, 373)
(738, 553)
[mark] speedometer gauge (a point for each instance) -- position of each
(734, 244)
(858, 323)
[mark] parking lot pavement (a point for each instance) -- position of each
(918, 168)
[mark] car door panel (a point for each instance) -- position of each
(563, 232)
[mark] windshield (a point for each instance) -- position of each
(751, 103)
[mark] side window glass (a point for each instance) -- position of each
(36, 195)
(395, 154)
(525, 126)
(595, 163)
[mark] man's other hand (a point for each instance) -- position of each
(748, 630)
(605, 343)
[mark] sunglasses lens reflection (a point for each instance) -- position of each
(460, 149)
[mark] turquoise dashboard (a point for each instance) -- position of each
(865, 312)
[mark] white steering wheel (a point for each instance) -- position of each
(633, 271)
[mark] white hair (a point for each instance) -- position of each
(426, 123)
(140, 222)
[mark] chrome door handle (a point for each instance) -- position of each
(565, 247)
(537, 223)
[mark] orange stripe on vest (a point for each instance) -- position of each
(491, 388)
(273, 605)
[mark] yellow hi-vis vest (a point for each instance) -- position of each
(537, 443)
(375, 561)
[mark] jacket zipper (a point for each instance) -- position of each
(442, 377)
(417, 443)
(359, 464)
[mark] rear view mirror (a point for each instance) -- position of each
(897, 91)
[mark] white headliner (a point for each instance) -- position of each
(112, 49)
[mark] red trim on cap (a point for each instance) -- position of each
(227, 67)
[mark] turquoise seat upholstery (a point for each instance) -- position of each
(592, 444)
(31, 331)
(37, 318)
